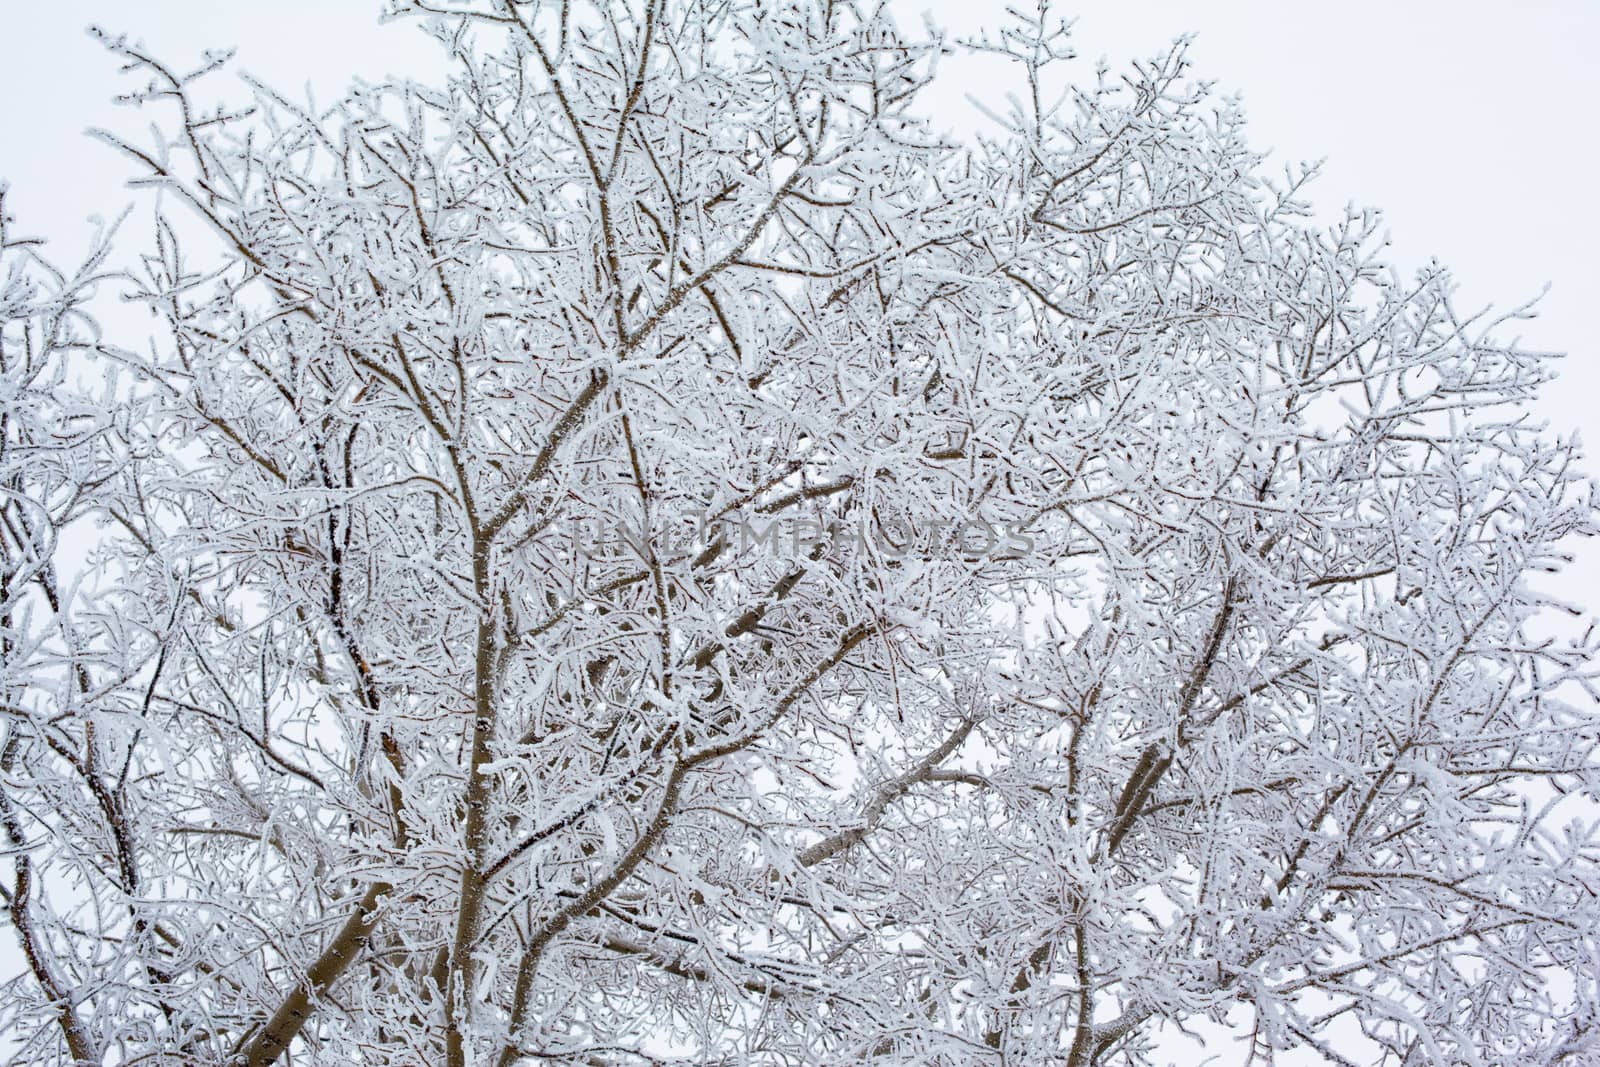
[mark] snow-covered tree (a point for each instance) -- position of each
(646, 551)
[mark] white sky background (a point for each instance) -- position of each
(1470, 123)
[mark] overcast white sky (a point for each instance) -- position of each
(1470, 123)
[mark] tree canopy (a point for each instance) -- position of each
(647, 551)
